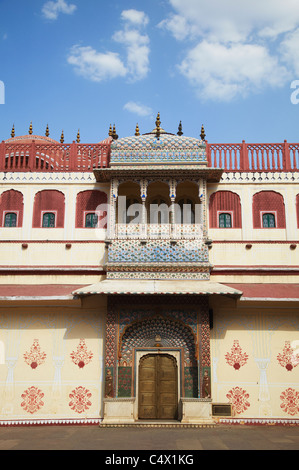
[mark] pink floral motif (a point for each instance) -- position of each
(32, 400)
(81, 356)
(290, 401)
(287, 358)
(236, 358)
(239, 399)
(80, 399)
(35, 356)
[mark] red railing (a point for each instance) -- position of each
(34, 156)
(254, 157)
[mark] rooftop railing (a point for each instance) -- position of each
(34, 156)
(40, 157)
(254, 157)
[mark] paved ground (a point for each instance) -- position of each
(109, 440)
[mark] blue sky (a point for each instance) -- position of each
(86, 64)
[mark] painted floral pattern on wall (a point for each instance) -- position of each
(288, 358)
(81, 357)
(35, 356)
(239, 399)
(32, 400)
(80, 399)
(236, 358)
(290, 401)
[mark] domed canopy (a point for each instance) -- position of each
(158, 147)
(25, 139)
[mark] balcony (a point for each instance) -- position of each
(156, 232)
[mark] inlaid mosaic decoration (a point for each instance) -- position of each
(149, 149)
(161, 251)
(179, 323)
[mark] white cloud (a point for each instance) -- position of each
(290, 51)
(221, 72)
(138, 108)
(138, 18)
(137, 49)
(99, 66)
(236, 47)
(51, 9)
(233, 20)
(96, 66)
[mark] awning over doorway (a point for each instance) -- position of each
(128, 286)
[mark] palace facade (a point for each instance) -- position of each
(149, 278)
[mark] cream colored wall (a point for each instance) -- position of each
(246, 190)
(70, 185)
(48, 247)
(53, 254)
(58, 382)
(276, 253)
(261, 388)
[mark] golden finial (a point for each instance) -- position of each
(30, 129)
(137, 133)
(13, 131)
(180, 129)
(78, 137)
(158, 123)
(47, 131)
(62, 138)
(114, 134)
(203, 135)
(110, 131)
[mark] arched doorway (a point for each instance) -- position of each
(158, 387)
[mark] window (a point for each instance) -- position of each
(187, 214)
(10, 219)
(11, 209)
(91, 220)
(159, 212)
(225, 210)
(268, 210)
(225, 220)
(49, 209)
(131, 213)
(91, 209)
(49, 220)
(269, 221)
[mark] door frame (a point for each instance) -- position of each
(177, 353)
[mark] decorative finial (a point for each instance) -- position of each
(180, 129)
(203, 135)
(110, 131)
(62, 138)
(158, 123)
(30, 129)
(137, 133)
(114, 134)
(13, 131)
(78, 137)
(47, 131)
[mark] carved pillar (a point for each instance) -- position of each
(112, 208)
(172, 194)
(202, 193)
(143, 193)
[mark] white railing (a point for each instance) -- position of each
(156, 231)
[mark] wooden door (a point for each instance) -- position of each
(158, 383)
